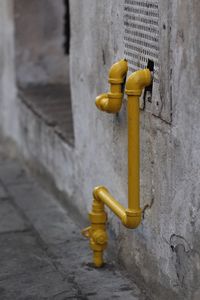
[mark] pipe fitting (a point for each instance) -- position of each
(98, 243)
(111, 102)
(117, 72)
(100, 237)
(97, 190)
(132, 218)
(137, 81)
(96, 233)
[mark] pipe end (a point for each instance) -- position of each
(98, 259)
(102, 102)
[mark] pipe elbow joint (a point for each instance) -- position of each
(110, 103)
(132, 218)
(118, 72)
(96, 191)
(137, 81)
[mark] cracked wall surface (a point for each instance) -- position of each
(163, 253)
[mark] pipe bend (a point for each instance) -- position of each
(102, 102)
(112, 101)
(137, 81)
(132, 218)
(118, 72)
(97, 190)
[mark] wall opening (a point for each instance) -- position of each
(42, 41)
(67, 28)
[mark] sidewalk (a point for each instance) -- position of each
(42, 253)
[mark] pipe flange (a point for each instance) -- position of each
(115, 95)
(133, 92)
(133, 212)
(116, 80)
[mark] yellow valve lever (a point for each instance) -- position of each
(86, 232)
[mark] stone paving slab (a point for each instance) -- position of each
(11, 172)
(32, 198)
(105, 283)
(43, 255)
(3, 193)
(10, 219)
(20, 253)
(43, 284)
(43, 211)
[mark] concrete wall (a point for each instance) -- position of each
(163, 253)
(39, 39)
(8, 108)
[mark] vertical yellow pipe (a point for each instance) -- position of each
(134, 86)
(133, 153)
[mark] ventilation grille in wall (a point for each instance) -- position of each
(143, 35)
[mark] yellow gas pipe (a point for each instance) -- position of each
(112, 101)
(130, 217)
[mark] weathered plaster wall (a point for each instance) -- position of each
(39, 29)
(36, 142)
(163, 253)
(8, 107)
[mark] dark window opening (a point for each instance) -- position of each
(42, 30)
(67, 27)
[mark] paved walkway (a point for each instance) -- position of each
(42, 254)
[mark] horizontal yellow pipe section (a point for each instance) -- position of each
(102, 194)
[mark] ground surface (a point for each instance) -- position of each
(42, 254)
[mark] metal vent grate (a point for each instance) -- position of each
(141, 21)
(146, 27)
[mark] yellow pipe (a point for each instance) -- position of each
(112, 101)
(102, 194)
(134, 86)
(130, 217)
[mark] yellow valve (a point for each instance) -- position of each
(131, 216)
(100, 236)
(112, 101)
(96, 233)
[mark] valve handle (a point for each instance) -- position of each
(86, 232)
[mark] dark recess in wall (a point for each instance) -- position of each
(66, 44)
(148, 89)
